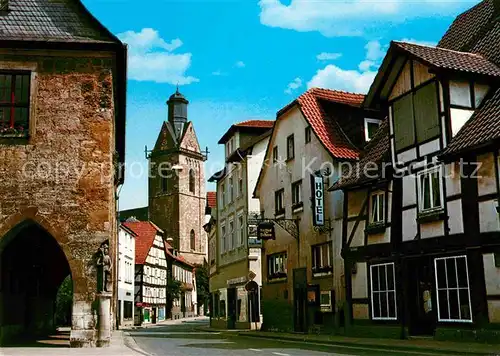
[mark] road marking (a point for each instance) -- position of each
(280, 354)
(256, 350)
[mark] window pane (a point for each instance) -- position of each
(375, 278)
(5, 88)
(436, 190)
(426, 196)
(426, 112)
(454, 307)
(404, 131)
(460, 93)
(464, 304)
(443, 304)
(462, 273)
(383, 276)
(440, 272)
(376, 305)
(381, 207)
(374, 208)
(392, 304)
(390, 277)
(383, 305)
(451, 273)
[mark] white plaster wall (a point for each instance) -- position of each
(359, 235)
(409, 224)
(360, 281)
(491, 275)
(429, 147)
(455, 221)
(408, 155)
(126, 251)
(488, 216)
(458, 119)
(486, 183)
(432, 229)
(409, 189)
(452, 174)
(254, 165)
(256, 265)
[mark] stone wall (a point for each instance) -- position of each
(61, 177)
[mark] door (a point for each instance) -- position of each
(153, 317)
(231, 308)
(300, 299)
(421, 299)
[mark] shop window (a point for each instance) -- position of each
(453, 292)
(383, 292)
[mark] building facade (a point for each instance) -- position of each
(150, 280)
(421, 243)
(302, 266)
(177, 183)
(126, 276)
(235, 253)
(62, 129)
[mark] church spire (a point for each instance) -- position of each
(177, 112)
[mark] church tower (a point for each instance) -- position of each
(177, 183)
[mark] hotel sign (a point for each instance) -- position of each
(318, 200)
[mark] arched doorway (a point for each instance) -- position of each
(32, 268)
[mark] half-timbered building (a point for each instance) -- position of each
(421, 228)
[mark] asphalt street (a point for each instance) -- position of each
(186, 340)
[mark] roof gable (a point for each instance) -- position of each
(166, 138)
(48, 20)
(189, 140)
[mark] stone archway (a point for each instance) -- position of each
(32, 267)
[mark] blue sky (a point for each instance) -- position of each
(242, 59)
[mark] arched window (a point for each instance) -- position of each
(191, 181)
(193, 240)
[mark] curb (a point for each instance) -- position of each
(131, 344)
(378, 347)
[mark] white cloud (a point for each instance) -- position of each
(151, 58)
(326, 56)
(424, 43)
(351, 17)
(294, 85)
(240, 64)
(354, 80)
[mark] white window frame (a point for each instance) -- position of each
(387, 291)
(457, 288)
(430, 171)
(381, 214)
(370, 121)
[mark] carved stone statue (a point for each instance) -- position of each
(105, 266)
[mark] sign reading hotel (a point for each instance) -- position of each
(265, 231)
(318, 200)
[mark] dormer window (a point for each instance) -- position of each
(465, 97)
(371, 127)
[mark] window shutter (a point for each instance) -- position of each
(426, 112)
(404, 130)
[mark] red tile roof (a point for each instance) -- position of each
(211, 199)
(448, 59)
(256, 123)
(179, 258)
(146, 232)
(327, 129)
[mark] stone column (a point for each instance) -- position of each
(104, 319)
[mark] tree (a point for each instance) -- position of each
(202, 286)
(64, 302)
(174, 291)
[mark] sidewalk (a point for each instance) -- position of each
(119, 346)
(417, 345)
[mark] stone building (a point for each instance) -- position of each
(177, 183)
(235, 252)
(421, 237)
(62, 131)
(302, 266)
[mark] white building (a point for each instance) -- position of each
(126, 266)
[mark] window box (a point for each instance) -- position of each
(277, 275)
(431, 216)
(298, 207)
(11, 132)
(375, 228)
(321, 271)
(280, 213)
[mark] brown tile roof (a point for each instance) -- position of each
(48, 20)
(452, 60)
(467, 26)
(376, 151)
(481, 129)
(212, 199)
(327, 129)
(169, 251)
(256, 123)
(146, 232)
